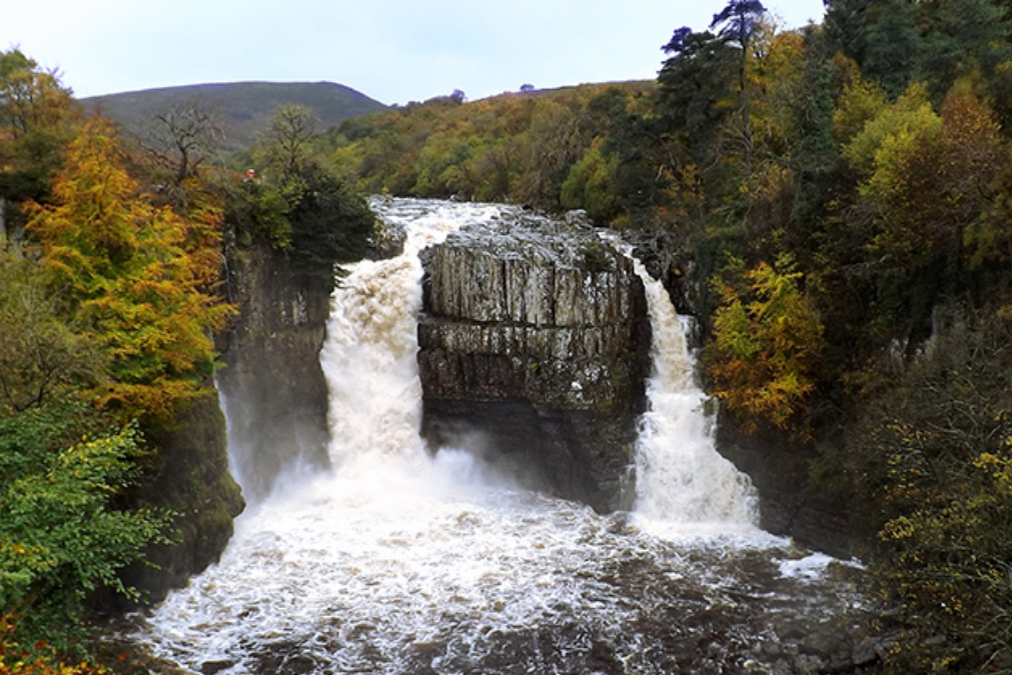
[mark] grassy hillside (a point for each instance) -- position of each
(243, 106)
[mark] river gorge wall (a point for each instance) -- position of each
(191, 478)
(271, 382)
(780, 466)
(533, 350)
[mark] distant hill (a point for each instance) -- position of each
(244, 106)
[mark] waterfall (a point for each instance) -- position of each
(681, 480)
(397, 562)
(369, 360)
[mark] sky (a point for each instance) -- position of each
(394, 51)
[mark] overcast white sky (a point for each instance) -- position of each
(392, 50)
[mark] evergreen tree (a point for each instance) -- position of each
(695, 95)
(965, 36)
(893, 45)
(737, 23)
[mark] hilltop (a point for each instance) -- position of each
(244, 106)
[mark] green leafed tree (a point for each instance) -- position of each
(964, 37)
(299, 204)
(42, 355)
(61, 535)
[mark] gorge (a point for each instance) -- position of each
(441, 533)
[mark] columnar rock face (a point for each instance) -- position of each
(534, 347)
(274, 389)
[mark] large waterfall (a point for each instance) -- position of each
(398, 562)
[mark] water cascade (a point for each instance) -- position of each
(682, 482)
(398, 562)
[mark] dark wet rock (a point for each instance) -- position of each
(273, 385)
(214, 667)
(668, 257)
(387, 240)
(789, 503)
(191, 478)
(534, 348)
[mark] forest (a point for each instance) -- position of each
(844, 190)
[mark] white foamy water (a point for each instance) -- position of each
(682, 481)
(369, 356)
(397, 562)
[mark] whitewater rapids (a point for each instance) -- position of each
(401, 562)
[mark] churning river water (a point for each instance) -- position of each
(395, 561)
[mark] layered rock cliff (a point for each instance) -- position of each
(272, 384)
(534, 347)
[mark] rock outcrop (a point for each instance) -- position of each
(272, 384)
(790, 502)
(534, 348)
(192, 480)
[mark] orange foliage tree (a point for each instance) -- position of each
(767, 340)
(138, 274)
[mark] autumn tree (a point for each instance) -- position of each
(34, 107)
(767, 343)
(38, 116)
(128, 268)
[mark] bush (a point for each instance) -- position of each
(935, 457)
(61, 535)
(40, 659)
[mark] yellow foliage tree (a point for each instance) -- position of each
(138, 275)
(929, 175)
(767, 342)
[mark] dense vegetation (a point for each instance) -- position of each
(110, 268)
(845, 191)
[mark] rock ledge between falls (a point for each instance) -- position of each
(534, 346)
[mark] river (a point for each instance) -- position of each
(395, 561)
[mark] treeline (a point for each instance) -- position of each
(546, 149)
(846, 192)
(111, 292)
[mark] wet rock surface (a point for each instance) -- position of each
(789, 503)
(534, 346)
(273, 387)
